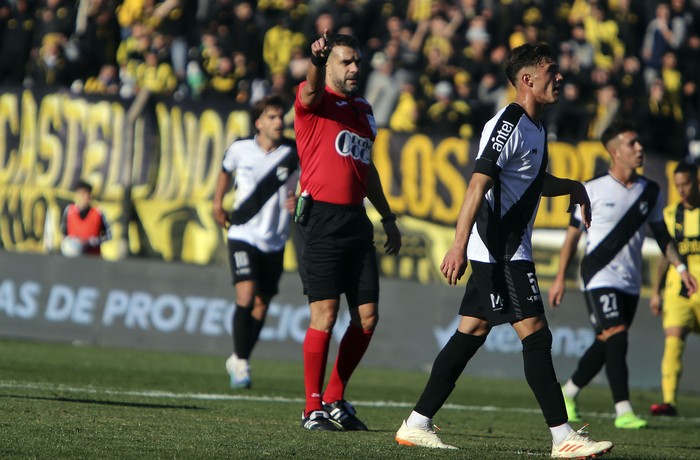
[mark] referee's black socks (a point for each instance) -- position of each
(540, 375)
(447, 368)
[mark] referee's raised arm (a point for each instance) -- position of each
(312, 92)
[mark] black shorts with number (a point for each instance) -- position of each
(338, 254)
(502, 293)
(250, 263)
(610, 307)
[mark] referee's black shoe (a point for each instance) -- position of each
(343, 415)
(318, 420)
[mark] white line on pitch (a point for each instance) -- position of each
(10, 384)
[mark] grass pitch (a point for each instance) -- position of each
(62, 401)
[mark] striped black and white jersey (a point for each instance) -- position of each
(262, 182)
(512, 151)
(613, 256)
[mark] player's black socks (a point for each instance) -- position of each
(447, 368)
(540, 375)
(616, 366)
(256, 326)
(590, 364)
(242, 329)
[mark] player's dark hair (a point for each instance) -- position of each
(615, 129)
(83, 185)
(343, 40)
(265, 103)
(527, 55)
(689, 168)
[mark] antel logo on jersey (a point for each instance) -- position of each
(499, 140)
(347, 143)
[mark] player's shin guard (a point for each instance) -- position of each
(671, 368)
(315, 356)
(540, 375)
(590, 364)
(447, 368)
(616, 366)
(352, 348)
(242, 322)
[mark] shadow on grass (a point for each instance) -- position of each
(104, 403)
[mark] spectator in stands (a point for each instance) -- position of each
(662, 34)
(247, 35)
(99, 36)
(382, 90)
(406, 116)
(50, 68)
(602, 34)
(222, 82)
(567, 119)
(630, 84)
(449, 116)
(155, 76)
(603, 111)
(689, 64)
(16, 29)
(660, 124)
(278, 43)
(107, 82)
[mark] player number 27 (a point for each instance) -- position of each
(609, 302)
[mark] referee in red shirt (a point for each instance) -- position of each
(335, 130)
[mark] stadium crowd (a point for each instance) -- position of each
(429, 64)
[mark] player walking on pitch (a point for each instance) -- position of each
(680, 310)
(494, 231)
(622, 202)
(266, 169)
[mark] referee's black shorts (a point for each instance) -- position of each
(338, 254)
(502, 293)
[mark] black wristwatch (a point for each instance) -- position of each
(390, 218)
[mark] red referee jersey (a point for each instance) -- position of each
(335, 145)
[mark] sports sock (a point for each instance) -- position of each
(242, 321)
(616, 366)
(416, 420)
(570, 389)
(540, 375)
(351, 350)
(447, 368)
(256, 326)
(590, 364)
(622, 407)
(560, 432)
(671, 368)
(315, 350)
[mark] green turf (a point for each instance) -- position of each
(62, 401)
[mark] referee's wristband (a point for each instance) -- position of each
(390, 218)
(680, 268)
(319, 61)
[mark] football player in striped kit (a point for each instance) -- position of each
(623, 202)
(266, 170)
(680, 310)
(494, 232)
